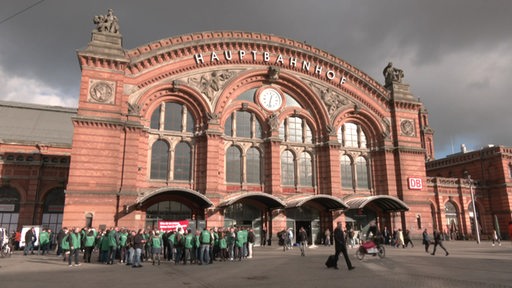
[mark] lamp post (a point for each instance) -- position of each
(475, 218)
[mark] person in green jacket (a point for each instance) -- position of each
(89, 243)
(189, 245)
(104, 245)
(156, 246)
(74, 246)
(64, 243)
(44, 241)
(223, 246)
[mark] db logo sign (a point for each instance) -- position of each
(415, 183)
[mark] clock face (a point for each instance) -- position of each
(270, 99)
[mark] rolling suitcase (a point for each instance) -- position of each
(331, 261)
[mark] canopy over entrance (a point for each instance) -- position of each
(268, 200)
(190, 195)
(327, 201)
(385, 202)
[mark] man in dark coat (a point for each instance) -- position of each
(30, 240)
(438, 240)
(341, 246)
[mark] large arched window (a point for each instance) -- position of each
(305, 169)
(295, 130)
(346, 172)
(362, 173)
(171, 116)
(287, 168)
(233, 165)
(53, 209)
(10, 202)
(352, 136)
(243, 124)
(159, 160)
(253, 166)
(182, 161)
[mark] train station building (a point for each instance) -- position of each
(239, 128)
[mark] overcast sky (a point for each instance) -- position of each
(456, 55)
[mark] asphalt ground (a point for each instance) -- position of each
(468, 265)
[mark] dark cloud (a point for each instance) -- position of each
(455, 54)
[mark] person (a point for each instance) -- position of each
(303, 240)
(290, 238)
(251, 238)
(407, 238)
(30, 240)
(44, 241)
(510, 230)
(340, 246)
(204, 254)
(74, 246)
(327, 239)
(386, 235)
(285, 238)
(438, 240)
(263, 239)
(426, 239)
(155, 241)
(138, 244)
(400, 238)
(89, 243)
(495, 237)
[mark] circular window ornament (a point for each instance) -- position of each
(407, 127)
(101, 92)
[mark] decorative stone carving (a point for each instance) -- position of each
(210, 84)
(133, 109)
(107, 23)
(273, 122)
(407, 127)
(273, 73)
(332, 100)
(212, 117)
(392, 74)
(101, 91)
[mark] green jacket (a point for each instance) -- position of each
(189, 241)
(74, 240)
(156, 241)
(205, 237)
(44, 238)
(65, 242)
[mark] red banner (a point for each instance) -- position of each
(172, 225)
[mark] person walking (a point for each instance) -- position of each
(426, 239)
(438, 240)
(327, 239)
(30, 240)
(74, 246)
(303, 240)
(407, 238)
(495, 237)
(340, 246)
(138, 244)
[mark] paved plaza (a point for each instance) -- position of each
(468, 265)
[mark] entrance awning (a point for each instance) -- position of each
(268, 200)
(327, 201)
(189, 194)
(385, 202)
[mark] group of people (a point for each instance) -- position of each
(133, 247)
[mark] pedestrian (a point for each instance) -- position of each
(327, 239)
(155, 241)
(251, 238)
(400, 238)
(495, 237)
(89, 244)
(44, 241)
(407, 238)
(74, 246)
(138, 243)
(30, 240)
(426, 239)
(438, 240)
(303, 240)
(340, 246)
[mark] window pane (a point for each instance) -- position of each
(182, 162)
(350, 135)
(173, 117)
(309, 136)
(281, 131)
(287, 168)
(253, 166)
(362, 173)
(363, 139)
(228, 126)
(295, 129)
(243, 124)
(340, 135)
(190, 122)
(155, 119)
(159, 160)
(306, 171)
(346, 172)
(233, 165)
(258, 133)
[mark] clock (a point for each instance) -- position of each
(270, 99)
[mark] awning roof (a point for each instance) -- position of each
(385, 202)
(327, 201)
(268, 200)
(192, 195)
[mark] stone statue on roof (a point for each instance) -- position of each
(392, 74)
(107, 23)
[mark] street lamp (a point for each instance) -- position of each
(468, 177)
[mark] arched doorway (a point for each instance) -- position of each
(452, 223)
(9, 208)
